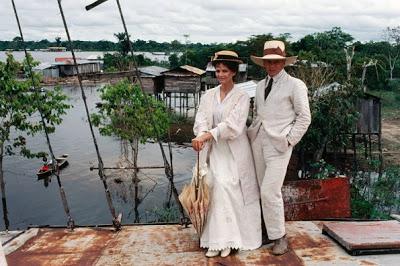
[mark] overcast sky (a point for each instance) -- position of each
(205, 21)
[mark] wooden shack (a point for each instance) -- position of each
(369, 122)
(183, 79)
(152, 79)
(210, 79)
(67, 68)
(368, 129)
(180, 84)
(47, 70)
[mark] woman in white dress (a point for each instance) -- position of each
(234, 216)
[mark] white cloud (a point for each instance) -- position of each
(205, 21)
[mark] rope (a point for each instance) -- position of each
(55, 170)
(116, 220)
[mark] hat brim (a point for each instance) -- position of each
(228, 60)
(260, 60)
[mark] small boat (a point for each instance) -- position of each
(61, 163)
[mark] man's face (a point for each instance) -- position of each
(273, 67)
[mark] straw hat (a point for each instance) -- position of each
(226, 56)
(274, 50)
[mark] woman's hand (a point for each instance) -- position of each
(198, 143)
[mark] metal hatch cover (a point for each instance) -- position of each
(365, 237)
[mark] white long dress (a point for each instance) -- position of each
(230, 223)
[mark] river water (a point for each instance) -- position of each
(29, 201)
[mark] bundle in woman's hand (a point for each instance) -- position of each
(195, 198)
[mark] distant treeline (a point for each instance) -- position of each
(375, 63)
(103, 45)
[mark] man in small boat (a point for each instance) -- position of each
(45, 166)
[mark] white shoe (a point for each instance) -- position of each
(225, 252)
(212, 253)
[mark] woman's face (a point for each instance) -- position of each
(224, 74)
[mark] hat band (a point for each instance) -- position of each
(225, 57)
(276, 51)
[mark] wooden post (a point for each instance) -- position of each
(354, 153)
(116, 222)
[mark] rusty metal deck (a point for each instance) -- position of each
(170, 245)
(315, 199)
(366, 237)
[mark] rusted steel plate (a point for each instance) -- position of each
(316, 249)
(62, 247)
(317, 199)
(174, 245)
(369, 236)
(133, 245)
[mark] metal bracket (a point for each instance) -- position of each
(117, 222)
(71, 224)
(185, 221)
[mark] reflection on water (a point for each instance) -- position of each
(46, 180)
(37, 201)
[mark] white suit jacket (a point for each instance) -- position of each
(285, 114)
(233, 130)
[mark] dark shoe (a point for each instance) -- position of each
(281, 246)
(265, 240)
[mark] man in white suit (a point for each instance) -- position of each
(282, 118)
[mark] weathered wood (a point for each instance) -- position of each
(369, 120)
(395, 216)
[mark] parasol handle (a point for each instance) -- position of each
(198, 171)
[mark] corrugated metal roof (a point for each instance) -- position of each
(153, 70)
(249, 87)
(79, 62)
(43, 66)
(172, 245)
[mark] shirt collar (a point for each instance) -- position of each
(277, 77)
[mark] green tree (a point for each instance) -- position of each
(58, 41)
(132, 116)
(327, 47)
(392, 37)
(18, 106)
(334, 114)
(176, 46)
(17, 43)
(173, 61)
(123, 44)
(128, 113)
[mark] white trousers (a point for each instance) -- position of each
(271, 166)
